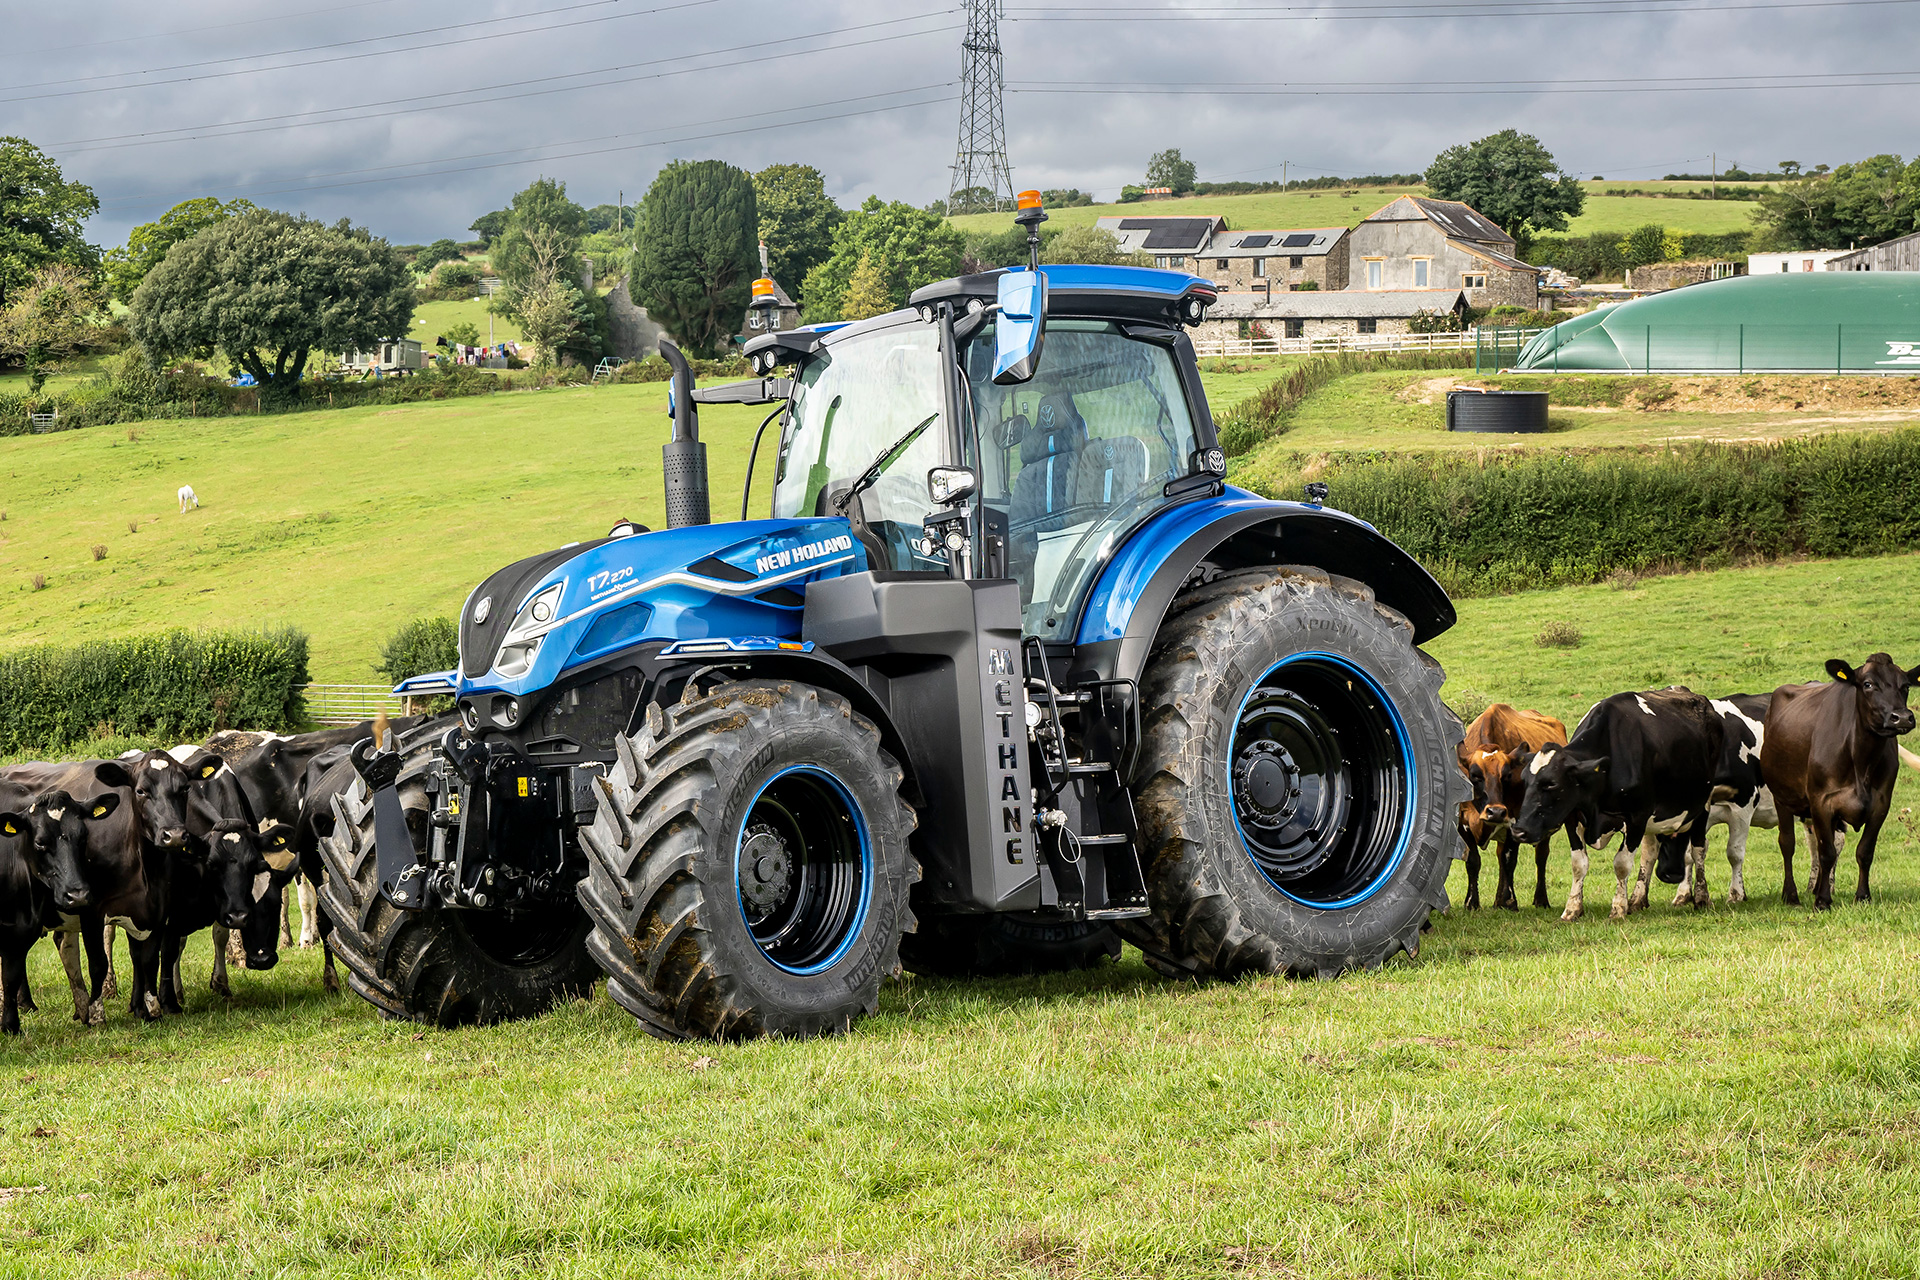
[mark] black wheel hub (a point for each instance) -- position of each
(801, 869)
(1318, 780)
(766, 872)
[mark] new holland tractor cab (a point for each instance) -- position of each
(1008, 674)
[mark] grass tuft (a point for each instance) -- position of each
(1558, 635)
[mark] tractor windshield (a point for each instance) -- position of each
(1077, 457)
(851, 401)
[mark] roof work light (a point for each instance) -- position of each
(1030, 212)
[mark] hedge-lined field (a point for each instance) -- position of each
(174, 686)
(1734, 1092)
(1507, 522)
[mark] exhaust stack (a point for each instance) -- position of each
(683, 457)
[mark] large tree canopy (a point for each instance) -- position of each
(697, 254)
(1171, 169)
(1857, 204)
(541, 210)
(1510, 178)
(40, 216)
(909, 247)
(797, 221)
(49, 318)
(269, 289)
(147, 244)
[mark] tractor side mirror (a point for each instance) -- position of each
(949, 486)
(1020, 326)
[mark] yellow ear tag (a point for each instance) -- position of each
(12, 830)
(208, 771)
(99, 811)
(1839, 675)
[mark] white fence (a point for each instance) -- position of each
(339, 704)
(1463, 341)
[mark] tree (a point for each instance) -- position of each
(147, 244)
(909, 247)
(434, 254)
(1089, 244)
(40, 216)
(1171, 169)
(48, 319)
(968, 200)
(1649, 244)
(1861, 203)
(697, 254)
(462, 333)
(546, 300)
(488, 226)
(866, 293)
(797, 222)
(1512, 180)
(541, 209)
(607, 217)
(268, 289)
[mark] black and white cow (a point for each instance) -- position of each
(26, 913)
(1740, 799)
(1641, 764)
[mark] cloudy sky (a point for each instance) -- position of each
(413, 119)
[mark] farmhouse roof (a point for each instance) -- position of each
(1165, 235)
(1335, 304)
(1505, 261)
(1457, 220)
(1310, 242)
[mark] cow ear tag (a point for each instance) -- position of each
(99, 811)
(12, 830)
(208, 770)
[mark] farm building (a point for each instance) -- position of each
(1276, 261)
(1416, 243)
(1774, 264)
(1895, 255)
(1798, 322)
(1316, 313)
(1171, 241)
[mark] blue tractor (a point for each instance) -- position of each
(1009, 674)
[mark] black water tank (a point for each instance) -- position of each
(1506, 412)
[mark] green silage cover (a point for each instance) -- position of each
(1793, 322)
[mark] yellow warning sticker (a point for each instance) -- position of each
(453, 803)
(523, 785)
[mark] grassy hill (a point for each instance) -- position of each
(1711, 1093)
(1334, 208)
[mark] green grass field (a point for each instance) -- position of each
(430, 321)
(1407, 412)
(1730, 1093)
(1281, 209)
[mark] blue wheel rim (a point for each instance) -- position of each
(803, 869)
(1321, 781)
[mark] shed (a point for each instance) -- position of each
(1798, 322)
(1170, 240)
(1902, 254)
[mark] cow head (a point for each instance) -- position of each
(1499, 782)
(1559, 786)
(250, 870)
(1880, 689)
(162, 783)
(60, 833)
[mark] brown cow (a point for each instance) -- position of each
(1830, 759)
(1490, 756)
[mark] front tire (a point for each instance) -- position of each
(1297, 788)
(440, 966)
(749, 872)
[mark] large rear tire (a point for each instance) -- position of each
(749, 872)
(961, 946)
(440, 966)
(1297, 787)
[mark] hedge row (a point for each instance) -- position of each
(1604, 256)
(131, 392)
(1509, 523)
(1269, 412)
(174, 686)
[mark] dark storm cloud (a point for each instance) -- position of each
(415, 119)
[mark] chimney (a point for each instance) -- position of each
(765, 270)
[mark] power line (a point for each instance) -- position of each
(121, 201)
(332, 11)
(436, 44)
(1396, 12)
(1367, 89)
(231, 129)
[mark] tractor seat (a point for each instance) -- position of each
(1109, 470)
(1042, 498)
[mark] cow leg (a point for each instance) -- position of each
(1577, 858)
(1697, 858)
(110, 987)
(1683, 892)
(329, 980)
(99, 966)
(1507, 852)
(13, 980)
(67, 943)
(1739, 826)
(309, 894)
(218, 982)
(1863, 854)
(1789, 892)
(169, 976)
(1540, 898)
(1827, 841)
(144, 957)
(1626, 901)
(1473, 877)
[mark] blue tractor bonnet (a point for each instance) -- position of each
(698, 581)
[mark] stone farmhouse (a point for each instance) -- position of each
(1417, 243)
(1265, 261)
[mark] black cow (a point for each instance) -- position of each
(26, 912)
(91, 851)
(1638, 763)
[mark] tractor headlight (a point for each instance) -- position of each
(537, 614)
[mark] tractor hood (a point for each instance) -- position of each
(535, 619)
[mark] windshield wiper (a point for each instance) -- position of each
(873, 473)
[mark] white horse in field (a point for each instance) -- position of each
(187, 499)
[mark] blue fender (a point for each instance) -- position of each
(1234, 530)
